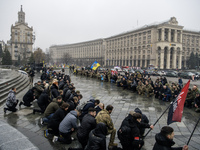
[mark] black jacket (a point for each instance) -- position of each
(43, 100)
(57, 117)
(88, 123)
(67, 95)
(132, 135)
(163, 143)
(28, 97)
(54, 91)
(97, 138)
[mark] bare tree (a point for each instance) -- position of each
(39, 56)
(66, 58)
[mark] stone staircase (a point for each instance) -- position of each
(20, 81)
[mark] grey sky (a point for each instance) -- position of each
(71, 21)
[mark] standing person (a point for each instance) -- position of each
(97, 138)
(31, 74)
(104, 116)
(164, 140)
(180, 82)
(67, 126)
(11, 102)
(88, 124)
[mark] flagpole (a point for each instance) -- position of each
(158, 119)
(193, 131)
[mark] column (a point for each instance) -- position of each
(180, 60)
(162, 59)
(181, 35)
(157, 35)
(174, 60)
(145, 64)
(168, 59)
(105, 60)
(136, 60)
(169, 35)
(141, 63)
(162, 34)
(157, 58)
(175, 36)
(184, 61)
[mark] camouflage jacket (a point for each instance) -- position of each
(104, 116)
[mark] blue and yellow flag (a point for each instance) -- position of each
(95, 65)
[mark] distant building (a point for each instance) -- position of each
(165, 45)
(2, 46)
(21, 41)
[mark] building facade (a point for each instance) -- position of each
(21, 41)
(165, 45)
(84, 53)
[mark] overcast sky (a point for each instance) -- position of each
(72, 21)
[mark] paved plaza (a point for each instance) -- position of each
(122, 100)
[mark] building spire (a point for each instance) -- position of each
(21, 16)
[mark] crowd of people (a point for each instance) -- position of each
(61, 109)
(143, 85)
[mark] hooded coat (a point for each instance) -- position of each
(28, 97)
(97, 138)
(69, 122)
(89, 104)
(88, 123)
(54, 91)
(163, 143)
(11, 100)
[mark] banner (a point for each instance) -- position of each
(95, 65)
(176, 107)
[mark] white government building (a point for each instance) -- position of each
(165, 45)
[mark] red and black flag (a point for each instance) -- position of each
(176, 107)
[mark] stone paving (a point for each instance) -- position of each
(123, 102)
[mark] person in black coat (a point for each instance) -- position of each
(43, 76)
(57, 117)
(72, 104)
(28, 98)
(43, 102)
(54, 91)
(91, 103)
(164, 140)
(88, 123)
(97, 138)
(144, 120)
(129, 132)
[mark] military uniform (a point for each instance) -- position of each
(149, 90)
(109, 75)
(140, 88)
(104, 116)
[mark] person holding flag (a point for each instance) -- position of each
(95, 65)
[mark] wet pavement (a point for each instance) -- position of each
(123, 102)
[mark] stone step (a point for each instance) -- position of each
(20, 85)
